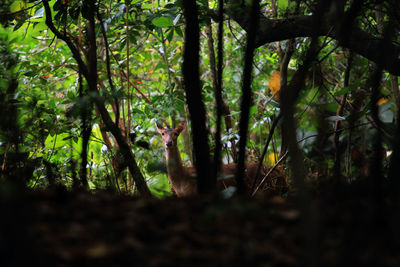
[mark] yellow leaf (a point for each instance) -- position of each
(381, 101)
(272, 158)
(275, 82)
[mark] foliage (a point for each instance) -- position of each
(145, 49)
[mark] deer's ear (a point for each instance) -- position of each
(159, 127)
(181, 127)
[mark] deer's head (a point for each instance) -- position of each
(170, 135)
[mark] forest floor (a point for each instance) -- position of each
(62, 228)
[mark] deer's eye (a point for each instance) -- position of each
(162, 133)
(176, 134)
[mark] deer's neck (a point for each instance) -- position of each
(179, 176)
(174, 163)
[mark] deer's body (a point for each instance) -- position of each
(183, 179)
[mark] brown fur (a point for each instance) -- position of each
(183, 179)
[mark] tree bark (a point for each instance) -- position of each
(246, 101)
(206, 181)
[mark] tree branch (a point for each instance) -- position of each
(65, 38)
(355, 38)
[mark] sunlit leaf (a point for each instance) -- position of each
(38, 14)
(382, 101)
(272, 158)
(335, 118)
(147, 6)
(17, 6)
(283, 4)
(176, 19)
(275, 82)
(162, 22)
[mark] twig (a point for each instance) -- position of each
(138, 90)
(103, 30)
(271, 132)
(269, 172)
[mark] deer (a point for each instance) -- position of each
(183, 179)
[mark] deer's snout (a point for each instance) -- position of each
(168, 143)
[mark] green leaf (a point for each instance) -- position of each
(162, 22)
(147, 6)
(331, 107)
(17, 6)
(52, 104)
(179, 31)
(48, 118)
(30, 73)
(41, 26)
(283, 4)
(56, 141)
(170, 36)
(341, 91)
(70, 95)
(292, 5)
(41, 102)
(253, 110)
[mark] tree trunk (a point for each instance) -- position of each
(194, 99)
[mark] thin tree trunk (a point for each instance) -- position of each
(285, 59)
(194, 99)
(86, 130)
(246, 101)
(336, 135)
(216, 78)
